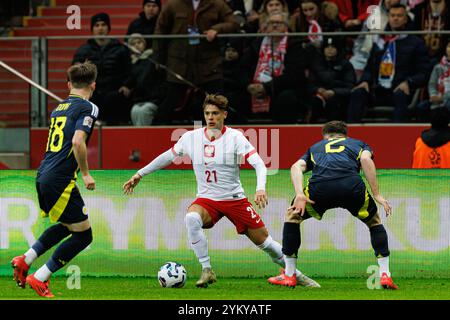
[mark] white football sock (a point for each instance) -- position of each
(274, 250)
(30, 256)
(197, 238)
(291, 264)
(43, 273)
(383, 263)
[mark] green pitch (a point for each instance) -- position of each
(115, 288)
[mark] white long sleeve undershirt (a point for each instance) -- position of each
(162, 161)
(261, 171)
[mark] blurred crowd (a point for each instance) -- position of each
(278, 79)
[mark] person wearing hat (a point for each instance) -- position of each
(432, 149)
(146, 22)
(113, 62)
(145, 82)
(331, 79)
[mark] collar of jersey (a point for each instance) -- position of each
(75, 96)
(222, 132)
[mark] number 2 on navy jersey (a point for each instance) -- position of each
(328, 146)
(209, 174)
(56, 134)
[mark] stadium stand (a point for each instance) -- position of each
(51, 21)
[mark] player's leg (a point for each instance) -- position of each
(197, 219)
(73, 216)
(291, 245)
(368, 214)
(21, 264)
(380, 245)
(248, 222)
(47, 196)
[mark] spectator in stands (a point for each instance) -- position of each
(235, 81)
(196, 59)
(146, 22)
(275, 69)
(432, 149)
(113, 63)
(267, 8)
(145, 83)
(353, 13)
(315, 16)
(433, 15)
(363, 44)
(331, 78)
(398, 65)
(250, 13)
(438, 88)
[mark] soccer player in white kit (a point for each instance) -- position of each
(216, 152)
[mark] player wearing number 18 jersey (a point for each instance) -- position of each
(71, 125)
(216, 153)
(335, 182)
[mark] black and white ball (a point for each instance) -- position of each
(172, 275)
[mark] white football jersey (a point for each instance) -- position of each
(216, 163)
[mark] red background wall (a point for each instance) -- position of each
(393, 145)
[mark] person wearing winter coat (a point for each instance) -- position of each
(146, 22)
(397, 66)
(438, 88)
(145, 83)
(195, 59)
(113, 62)
(275, 68)
(331, 78)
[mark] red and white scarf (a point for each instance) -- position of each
(313, 29)
(270, 64)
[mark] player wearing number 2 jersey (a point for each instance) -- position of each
(216, 152)
(335, 162)
(71, 125)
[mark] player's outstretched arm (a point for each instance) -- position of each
(80, 153)
(370, 172)
(301, 199)
(162, 161)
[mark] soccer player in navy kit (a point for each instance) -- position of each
(335, 162)
(71, 126)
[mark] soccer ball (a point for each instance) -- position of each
(172, 275)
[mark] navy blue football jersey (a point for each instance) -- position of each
(74, 113)
(335, 158)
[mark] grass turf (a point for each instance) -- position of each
(116, 288)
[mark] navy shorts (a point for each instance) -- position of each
(348, 193)
(61, 202)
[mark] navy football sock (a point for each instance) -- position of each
(67, 250)
(379, 240)
(291, 239)
(50, 237)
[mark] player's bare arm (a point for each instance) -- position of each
(80, 153)
(369, 169)
(301, 199)
(162, 161)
